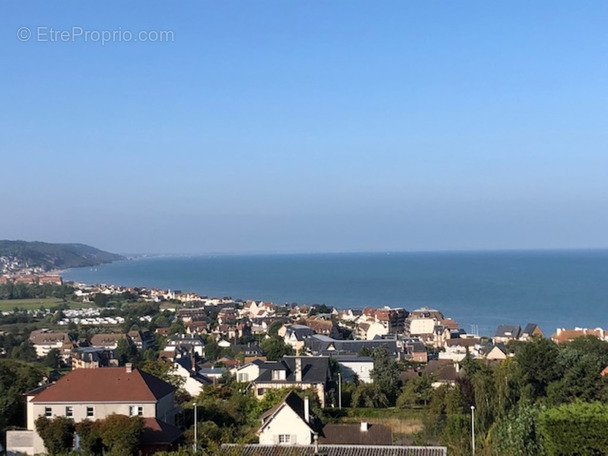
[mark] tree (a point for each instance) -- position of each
(89, 437)
(416, 392)
(370, 395)
(53, 359)
(275, 348)
(386, 373)
(121, 434)
(539, 367)
(518, 434)
(575, 429)
(57, 433)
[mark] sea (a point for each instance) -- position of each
(480, 290)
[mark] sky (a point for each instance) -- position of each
(304, 126)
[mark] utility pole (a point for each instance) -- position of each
(473, 428)
(339, 390)
(195, 444)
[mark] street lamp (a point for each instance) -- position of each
(195, 444)
(473, 428)
(339, 390)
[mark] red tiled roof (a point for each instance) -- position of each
(108, 384)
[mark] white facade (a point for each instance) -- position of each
(422, 326)
(286, 428)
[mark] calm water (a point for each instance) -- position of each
(553, 289)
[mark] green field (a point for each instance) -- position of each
(10, 304)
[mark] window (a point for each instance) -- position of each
(278, 375)
(284, 438)
(136, 410)
(90, 412)
(69, 412)
(48, 412)
(243, 377)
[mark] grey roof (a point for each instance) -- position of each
(351, 434)
(323, 345)
(300, 331)
(529, 329)
(315, 369)
(508, 331)
(331, 450)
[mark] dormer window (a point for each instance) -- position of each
(278, 375)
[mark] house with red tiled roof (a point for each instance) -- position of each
(95, 394)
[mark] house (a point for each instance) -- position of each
(250, 352)
(107, 341)
(95, 394)
(289, 423)
(351, 366)
(192, 344)
(505, 333)
(320, 345)
(566, 335)
(295, 371)
(531, 330)
(141, 339)
(251, 371)
(93, 358)
(291, 429)
(45, 340)
(295, 335)
(496, 352)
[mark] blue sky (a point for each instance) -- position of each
(301, 126)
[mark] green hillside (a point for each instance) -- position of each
(56, 256)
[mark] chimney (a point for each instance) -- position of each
(307, 409)
(364, 426)
(129, 367)
(298, 372)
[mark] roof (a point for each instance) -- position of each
(107, 384)
(376, 434)
(296, 403)
(314, 370)
(510, 331)
(320, 344)
(331, 450)
(158, 432)
(106, 339)
(44, 337)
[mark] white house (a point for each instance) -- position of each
(288, 423)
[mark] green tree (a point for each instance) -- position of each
(370, 395)
(386, 373)
(416, 392)
(121, 434)
(275, 348)
(575, 429)
(518, 434)
(538, 367)
(56, 433)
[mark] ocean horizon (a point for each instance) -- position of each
(479, 289)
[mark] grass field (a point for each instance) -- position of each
(10, 304)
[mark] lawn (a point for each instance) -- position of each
(9, 304)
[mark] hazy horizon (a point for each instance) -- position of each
(276, 127)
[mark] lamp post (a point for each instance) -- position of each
(473, 428)
(195, 444)
(339, 390)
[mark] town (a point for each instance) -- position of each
(164, 355)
